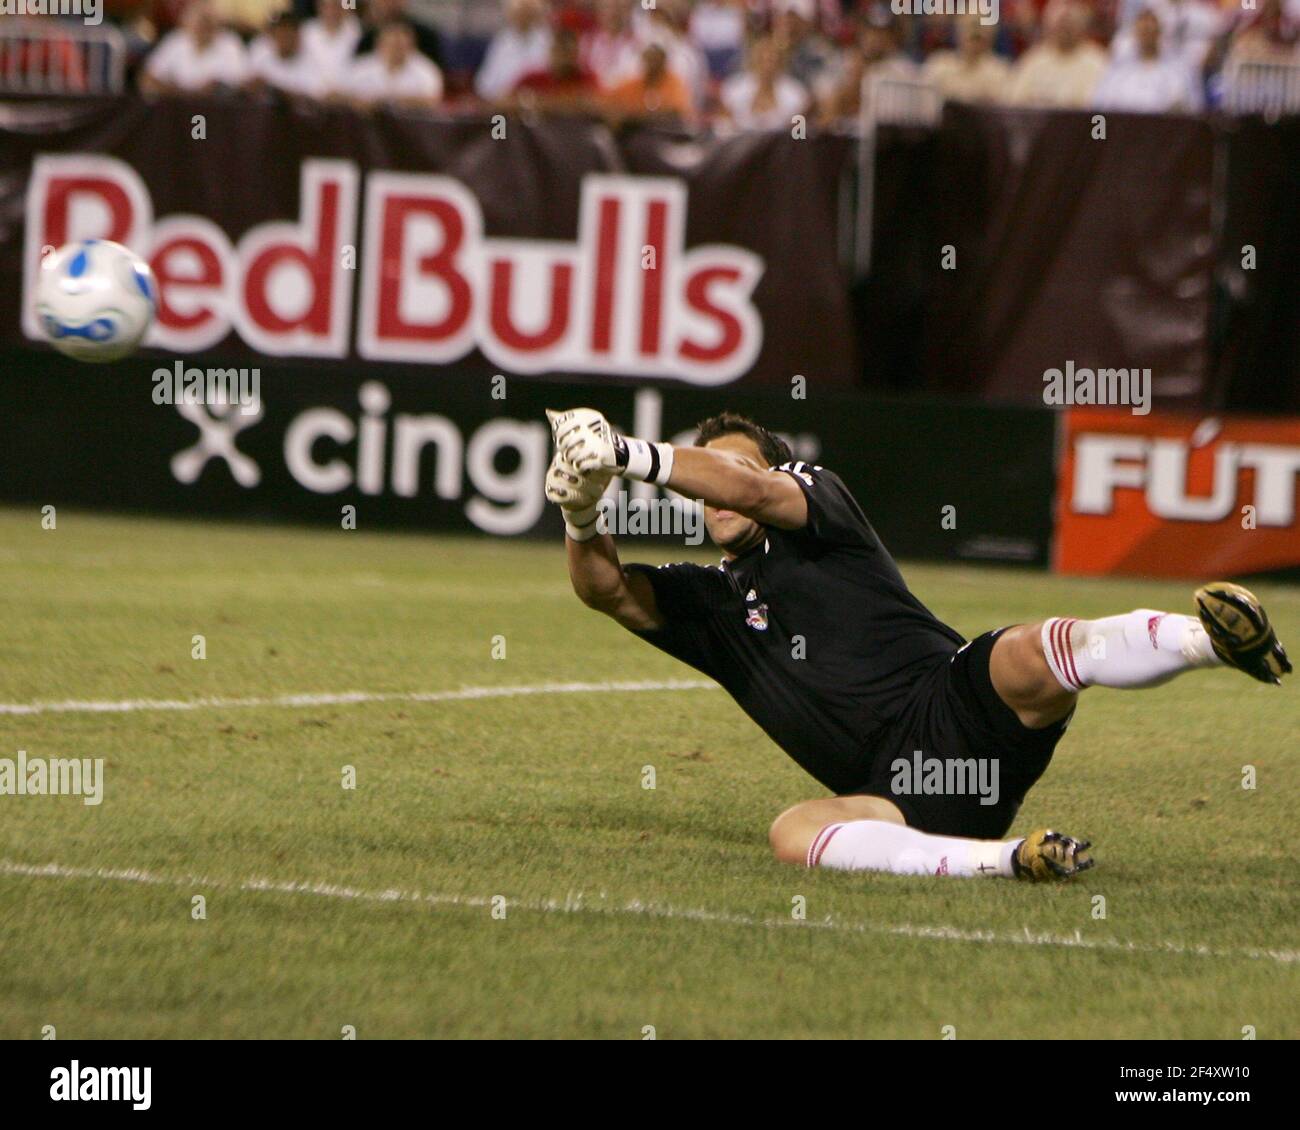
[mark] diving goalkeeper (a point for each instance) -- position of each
(808, 624)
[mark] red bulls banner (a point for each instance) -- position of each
(1177, 496)
(506, 246)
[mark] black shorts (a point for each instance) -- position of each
(957, 761)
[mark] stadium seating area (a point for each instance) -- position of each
(725, 63)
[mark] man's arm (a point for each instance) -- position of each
(727, 481)
(724, 480)
(601, 583)
(594, 569)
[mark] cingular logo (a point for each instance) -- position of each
(625, 297)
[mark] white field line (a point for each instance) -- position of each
(582, 903)
(349, 698)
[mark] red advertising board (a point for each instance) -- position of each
(1176, 496)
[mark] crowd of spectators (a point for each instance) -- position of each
(740, 63)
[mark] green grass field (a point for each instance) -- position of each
(625, 907)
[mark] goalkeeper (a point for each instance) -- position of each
(808, 624)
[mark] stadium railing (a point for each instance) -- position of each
(1271, 89)
(61, 58)
(885, 101)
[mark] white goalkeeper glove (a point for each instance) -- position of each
(576, 494)
(585, 440)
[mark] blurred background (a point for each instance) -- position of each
(878, 230)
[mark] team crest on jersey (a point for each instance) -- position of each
(756, 617)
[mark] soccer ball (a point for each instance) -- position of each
(95, 299)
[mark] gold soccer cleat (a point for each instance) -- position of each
(1240, 633)
(1044, 855)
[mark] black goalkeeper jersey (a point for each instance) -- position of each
(813, 631)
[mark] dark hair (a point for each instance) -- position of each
(774, 449)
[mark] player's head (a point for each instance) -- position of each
(731, 532)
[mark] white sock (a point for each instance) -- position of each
(1142, 648)
(875, 845)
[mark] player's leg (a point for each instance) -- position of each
(792, 833)
(1038, 669)
(869, 833)
(956, 826)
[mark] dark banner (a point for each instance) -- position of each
(1256, 338)
(1007, 243)
(327, 447)
(1064, 237)
(521, 246)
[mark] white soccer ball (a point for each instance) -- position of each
(96, 300)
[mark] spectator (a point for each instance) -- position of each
(764, 96)
(523, 45)
(380, 13)
(609, 50)
(656, 92)
(666, 24)
(395, 73)
(247, 16)
(971, 73)
(330, 40)
(277, 61)
(564, 83)
(1188, 29)
(876, 55)
(807, 53)
(1064, 69)
(1147, 82)
(717, 29)
(197, 57)
(1269, 38)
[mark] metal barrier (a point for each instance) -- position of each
(45, 55)
(1271, 89)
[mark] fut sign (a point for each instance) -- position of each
(1172, 496)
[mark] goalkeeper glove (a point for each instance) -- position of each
(576, 494)
(585, 440)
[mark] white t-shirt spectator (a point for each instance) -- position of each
(510, 56)
(299, 74)
(611, 58)
(178, 61)
(331, 53)
(790, 98)
(1187, 28)
(371, 80)
(717, 27)
(1148, 86)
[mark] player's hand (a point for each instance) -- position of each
(586, 442)
(569, 489)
